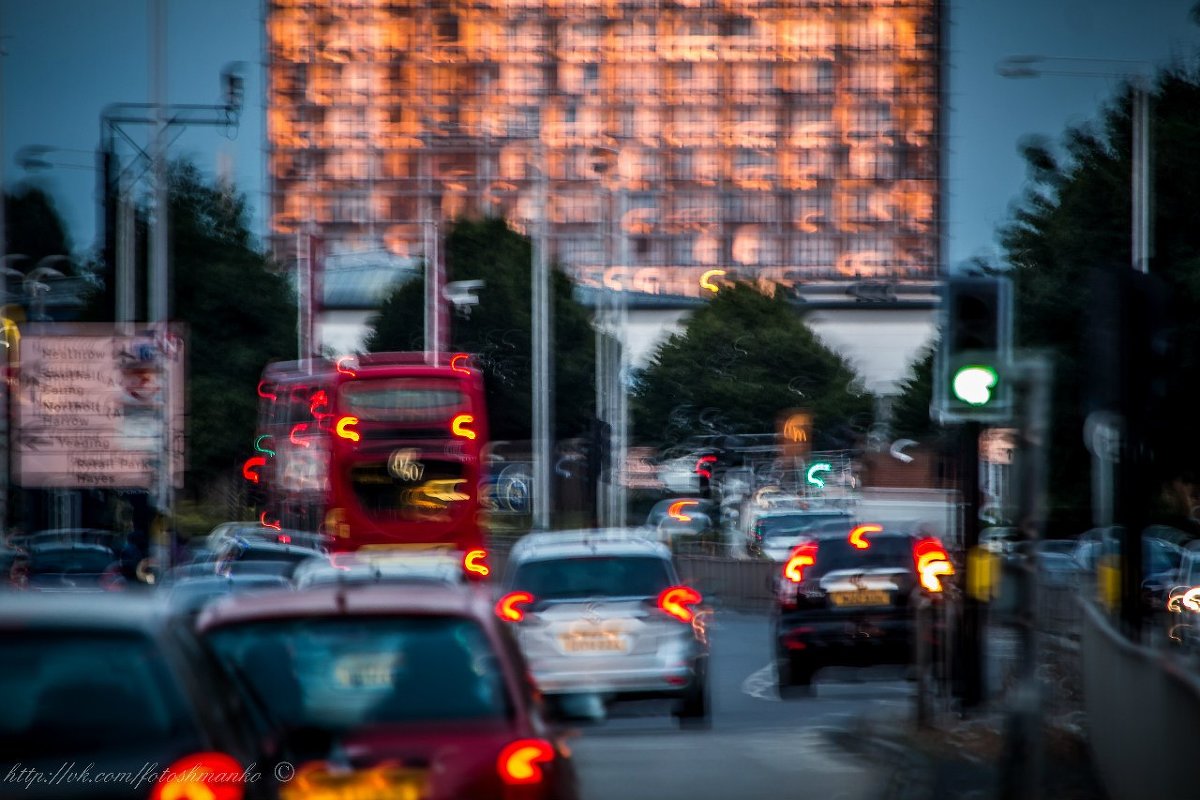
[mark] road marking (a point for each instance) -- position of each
(761, 684)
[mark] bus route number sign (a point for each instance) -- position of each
(404, 466)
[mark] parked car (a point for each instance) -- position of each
(392, 690)
(603, 614)
(110, 683)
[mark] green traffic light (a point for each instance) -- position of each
(820, 466)
(973, 384)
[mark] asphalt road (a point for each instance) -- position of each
(758, 746)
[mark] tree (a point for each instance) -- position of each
(239, 311)
(743, 358)
(497, 331)
(1073, 223)
(910, 411)
(32, 225)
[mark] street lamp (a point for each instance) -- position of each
(611, 320)
(1032, 66)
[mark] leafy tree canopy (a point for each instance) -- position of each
(34, 228)
(1074, 221)
(743, 358)
(498, 330)
(910, 411)
(239, 312)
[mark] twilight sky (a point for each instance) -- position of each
(65, 60)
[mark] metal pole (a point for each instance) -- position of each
(162, 546)
(1140, 250)
(4, 397)
(970, 661)
(1022, 767)
(621, 404)
(542, 382)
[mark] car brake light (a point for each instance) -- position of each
(678, 601)
(201, 776)
(804, 555)
(284, 538)
(508, 608)
(856, 535)
(704, 466)
(519, 761)
(344, 429)
(932, 563)
(475, 563)
(675, 511)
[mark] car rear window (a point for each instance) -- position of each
(884, 552)
(343, 673)
(74, 693)
(793, 525)
(595, 576)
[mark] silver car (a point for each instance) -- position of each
(603, 614)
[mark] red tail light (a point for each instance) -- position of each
(475, 563)
(678, 601)
(520, 762)
(704, 466)
(284, 538)
(856, 535)
(508, 608)
(932, 562)
(201, 776)
(802, 557)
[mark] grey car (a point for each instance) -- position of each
(603, 614)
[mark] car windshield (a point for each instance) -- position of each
(598, 576)
(344, 673)
(837, 553)
(75, 693)
(790, 526)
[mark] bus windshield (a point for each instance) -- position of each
(401, 399)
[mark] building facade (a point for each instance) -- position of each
(783, 140)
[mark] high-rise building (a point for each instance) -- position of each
(788, 140)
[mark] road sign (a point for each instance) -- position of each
(89, 407)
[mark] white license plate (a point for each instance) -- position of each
(599, 642)
(863, 597)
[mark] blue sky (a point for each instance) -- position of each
(67, 59)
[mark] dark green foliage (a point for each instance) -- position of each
(239, 314)
(33, 228)
(910, 411)
(1075, 218)
(497, 331)
(744, 358)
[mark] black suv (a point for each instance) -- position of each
(850, 599)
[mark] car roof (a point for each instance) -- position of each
(587, 542)
(331, 600)
(123, 612)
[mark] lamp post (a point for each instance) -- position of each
(611, 318)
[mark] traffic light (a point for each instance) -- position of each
(974, 361)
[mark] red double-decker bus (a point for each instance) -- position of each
(379, 450)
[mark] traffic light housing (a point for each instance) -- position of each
(973, 377)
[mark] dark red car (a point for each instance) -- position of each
(391, 690)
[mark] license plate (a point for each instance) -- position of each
(862, 597)
(599, 642)
(315, 782)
